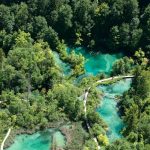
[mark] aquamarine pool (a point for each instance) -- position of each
(97, 62)
(37, 141)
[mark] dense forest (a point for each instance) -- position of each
(34, 91)
(112, 25)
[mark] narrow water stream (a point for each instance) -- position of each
(64, 66)
(108, 109)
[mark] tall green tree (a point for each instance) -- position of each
(32, 65)
(7, 18)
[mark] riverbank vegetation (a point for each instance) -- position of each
(35, 92)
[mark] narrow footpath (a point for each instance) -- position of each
(86, 96)
(7, 135)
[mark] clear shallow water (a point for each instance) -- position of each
(65, 67)
(108, 109)
(37, 141)
(97, 63)
(60, 139)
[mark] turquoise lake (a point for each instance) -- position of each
(108, 109)
(97, 63)
(37, 141)
(94, 64)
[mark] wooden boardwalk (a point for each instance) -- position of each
(86, 96)
(5, 138)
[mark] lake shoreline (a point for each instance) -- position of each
(16, 132)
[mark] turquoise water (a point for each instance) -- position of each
(102, 63)
(65, 67)
(108, 109)
(97, 63)
(60, 139)
(37, 141)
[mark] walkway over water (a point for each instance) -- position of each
(116, 77)
(41, 140)
(86, 96)
(7, 135)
